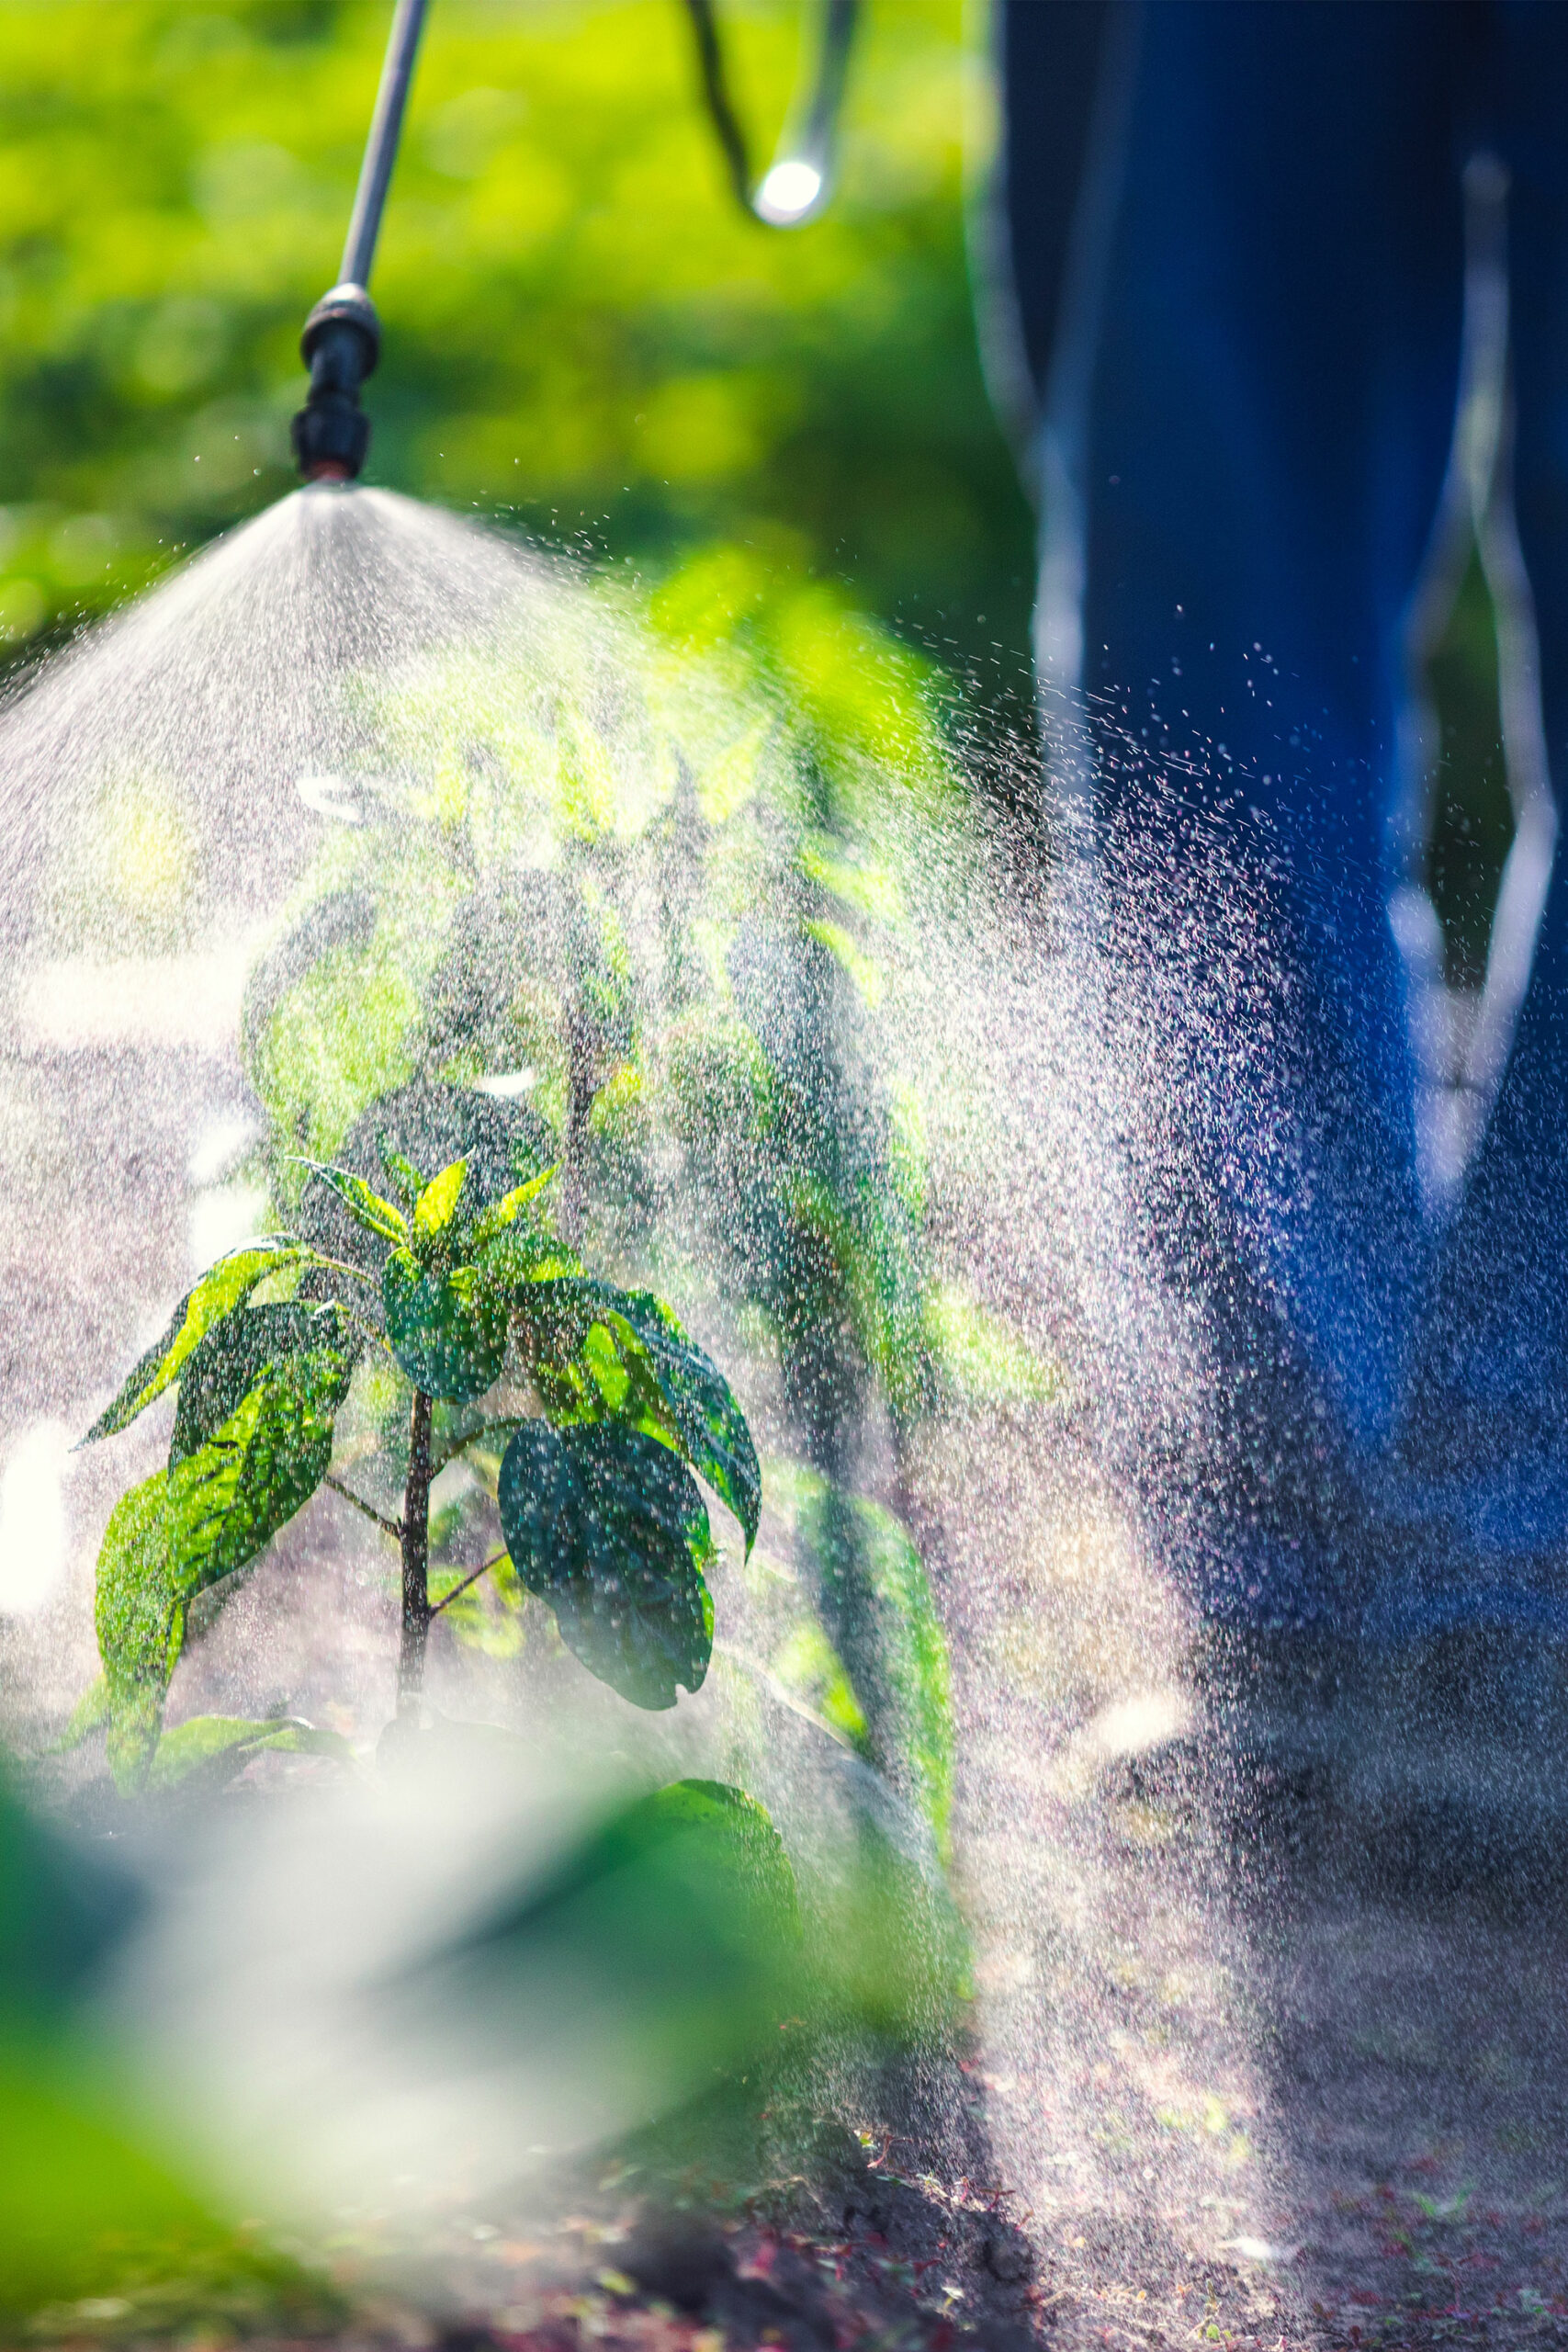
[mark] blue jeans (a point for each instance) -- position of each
(1234, 320)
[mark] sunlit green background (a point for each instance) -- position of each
(582, 331)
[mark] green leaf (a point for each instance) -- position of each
(140, 1616)
(235, 1354)
(557, 1321)
(742, 1829)
(437, 1206)
(521, 1256)
(90, 1714)
(493, 1221)
(448, 1331)
(249, 1477)
(427, 1126)
(220, 1290)
(217, 1747)
(810, 1670)
(719, 1858)
(253, 1440)
(864, 1560)
(604, 1524)
(366, 1207)
(403, 1172)
(712, 1429)
(598, 1349)
(660, 1951)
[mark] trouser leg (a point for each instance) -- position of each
(1486, 1446)
(1265, 436)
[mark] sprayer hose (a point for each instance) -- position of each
(801, 170)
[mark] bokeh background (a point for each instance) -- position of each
(584, 335)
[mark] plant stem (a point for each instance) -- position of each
(581, 1091)
(459, 1588)
(388, 1526)
(416, 1561)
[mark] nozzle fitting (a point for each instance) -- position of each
(341, 344)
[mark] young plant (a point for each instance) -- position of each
(601, 1515)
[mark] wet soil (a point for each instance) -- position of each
(1292, 2012)
(1273, 2052)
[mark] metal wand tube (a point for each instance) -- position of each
(381, 147)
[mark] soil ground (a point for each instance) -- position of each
(1284, 2002)
(1273, 2052)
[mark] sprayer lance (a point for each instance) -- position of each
(342, 340)
(341, 344)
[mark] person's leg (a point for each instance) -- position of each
(1049, 60)
(1486, 1446)
(1263, 439)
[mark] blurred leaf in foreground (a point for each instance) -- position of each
(98, 2237)
(670, 1957)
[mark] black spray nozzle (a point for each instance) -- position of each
(341, 344)
(341, 341)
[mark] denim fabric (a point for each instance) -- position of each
(1269, 356)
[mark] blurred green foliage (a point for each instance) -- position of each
(100, 2239)
(582, 330)
(103, 2243)
(667, 1953)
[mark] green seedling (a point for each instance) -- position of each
(601, 1516)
